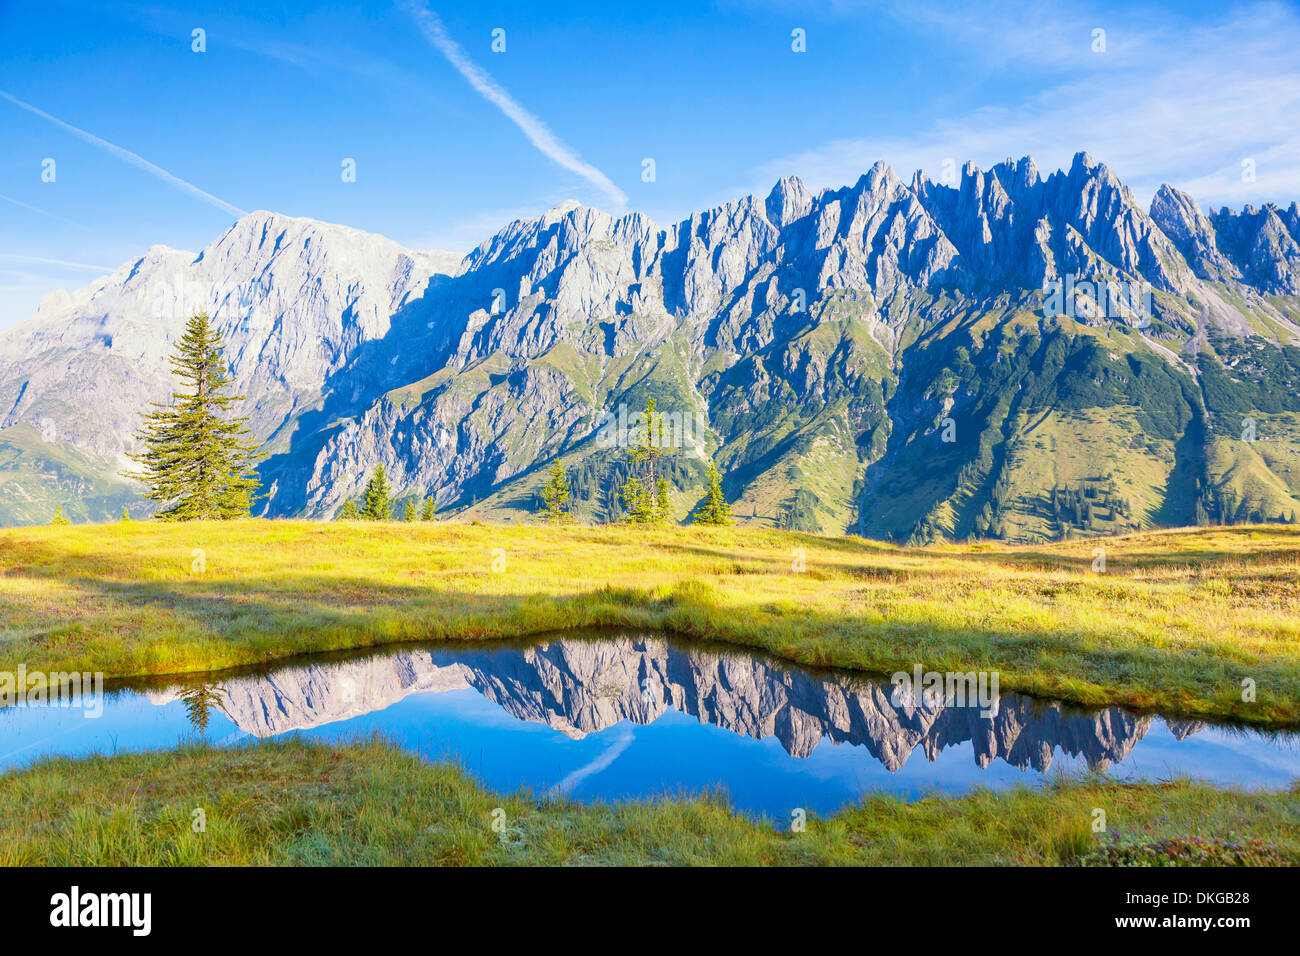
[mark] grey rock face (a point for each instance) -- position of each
(1264, 244)
(293, 298)
(1192, 233)
(354, 351)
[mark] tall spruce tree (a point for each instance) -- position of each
(378, 498)
(429, 509)
(714, 509)
(197, 463)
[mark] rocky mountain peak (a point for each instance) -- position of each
(788, 322)
(788, 202)
(880, 178)
(1192, 233)
(1018, 177)
(1262, 245)
(1083, 164)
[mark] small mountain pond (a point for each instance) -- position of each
(640, 715)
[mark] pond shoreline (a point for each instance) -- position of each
(294, 803)
(603, 632)
(1176, 624)
(626, 714)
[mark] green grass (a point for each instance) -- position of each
(1176, 622)
(298, 803)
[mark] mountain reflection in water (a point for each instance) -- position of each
(580, 687)
(637, 715)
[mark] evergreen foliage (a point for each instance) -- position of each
(714, 510)
(198, 463)
(800, 513)
(646, 496)
(637, 501)
(556, 496)
(377, 500)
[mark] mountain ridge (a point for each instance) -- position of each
(824, 340)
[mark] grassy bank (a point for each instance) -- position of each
(1176, 621)
(296, 803)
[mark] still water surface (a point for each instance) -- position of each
(638, 715)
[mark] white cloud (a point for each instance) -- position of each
(128, 157)
(537, 132)
(1184, 105)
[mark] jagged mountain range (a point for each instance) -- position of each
(583, 687)
(885, 359)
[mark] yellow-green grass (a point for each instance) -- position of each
(298, 803)
(1176, 622)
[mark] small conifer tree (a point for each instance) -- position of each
(637, 501)
(377, 502)
(646, 497)
(662, 505)
(556, 496)
(714, 510)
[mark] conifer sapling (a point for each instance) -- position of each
(556, 496)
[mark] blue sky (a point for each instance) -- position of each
(452, 140)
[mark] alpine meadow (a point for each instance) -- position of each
(778, 472)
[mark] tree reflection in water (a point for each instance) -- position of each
(200, 700)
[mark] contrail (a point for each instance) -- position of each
(129, 157)
(38, 209)
(537, 131)
(601, 761)
(62, 263)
